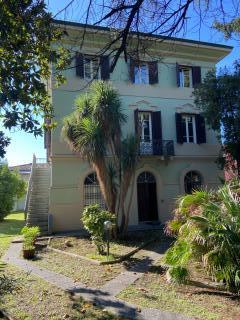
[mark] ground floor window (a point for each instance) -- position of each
(92, 192)
(192, 181)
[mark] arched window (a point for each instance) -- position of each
(146, 177)
(92, 192)
(192, 181)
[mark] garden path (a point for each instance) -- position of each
(105, 296)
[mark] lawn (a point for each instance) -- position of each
(9, 228)
(200, 299)
(30, 297)
(35, 299)
(83, 246)
(80, 270)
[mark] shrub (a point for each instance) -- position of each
(178, 274)
(11, 186)
(208, 230)
(30, 234)
(93, 219)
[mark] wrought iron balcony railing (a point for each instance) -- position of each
(156, 147)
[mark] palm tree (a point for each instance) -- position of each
(94, 130)
(207, 228)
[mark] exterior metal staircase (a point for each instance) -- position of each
(37, 200)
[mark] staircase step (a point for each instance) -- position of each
(39, 215)
(38, 205)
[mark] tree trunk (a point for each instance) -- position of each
(125, 186)
(105, 185)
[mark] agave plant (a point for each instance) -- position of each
(207, 228)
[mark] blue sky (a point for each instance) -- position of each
(23, 145)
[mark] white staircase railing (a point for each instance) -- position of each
(30, 183)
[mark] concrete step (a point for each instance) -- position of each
(38, 212)
(39, 215)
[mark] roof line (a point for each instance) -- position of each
(143, 34)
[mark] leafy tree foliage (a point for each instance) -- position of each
(229, 29)
(26, 35)
(11, 186)
(219, 99)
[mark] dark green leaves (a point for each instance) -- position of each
(26, 38)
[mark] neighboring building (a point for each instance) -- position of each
(24, 170)
(177, 151)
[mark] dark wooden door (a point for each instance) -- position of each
(147, 197)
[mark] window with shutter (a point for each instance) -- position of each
(153, 72)
(200, 129)
(105, 70)
(143, 72)
(157, 132)
(188, 77)
(87, 66)
(179, 129)
(79, 65)
(91, 67)
(196, 76)
(190, 128)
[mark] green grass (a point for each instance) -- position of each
(9, 228)
(198, 299)
(34, 298)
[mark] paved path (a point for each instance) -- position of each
(105, 296)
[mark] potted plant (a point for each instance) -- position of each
(30, 235)
(28, 251)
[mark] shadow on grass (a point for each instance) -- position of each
(219, 293)
(102, 299)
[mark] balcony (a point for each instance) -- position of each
(156, 147)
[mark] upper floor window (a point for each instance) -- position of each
(145, 121)
(91, 67)
(189, 128)
(141, 73)
(185, 77)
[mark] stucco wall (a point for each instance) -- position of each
(69, 171)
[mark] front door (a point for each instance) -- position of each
(147, 198)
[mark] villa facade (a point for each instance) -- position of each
(177, 149)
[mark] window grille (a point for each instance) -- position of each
(92, 192)
(192, 181)
(146, 177)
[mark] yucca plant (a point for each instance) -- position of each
(94, 130)
(207, 228)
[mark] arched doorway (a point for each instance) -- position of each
(192, 181)
(147, 197)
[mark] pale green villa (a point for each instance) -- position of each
(177, 150)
